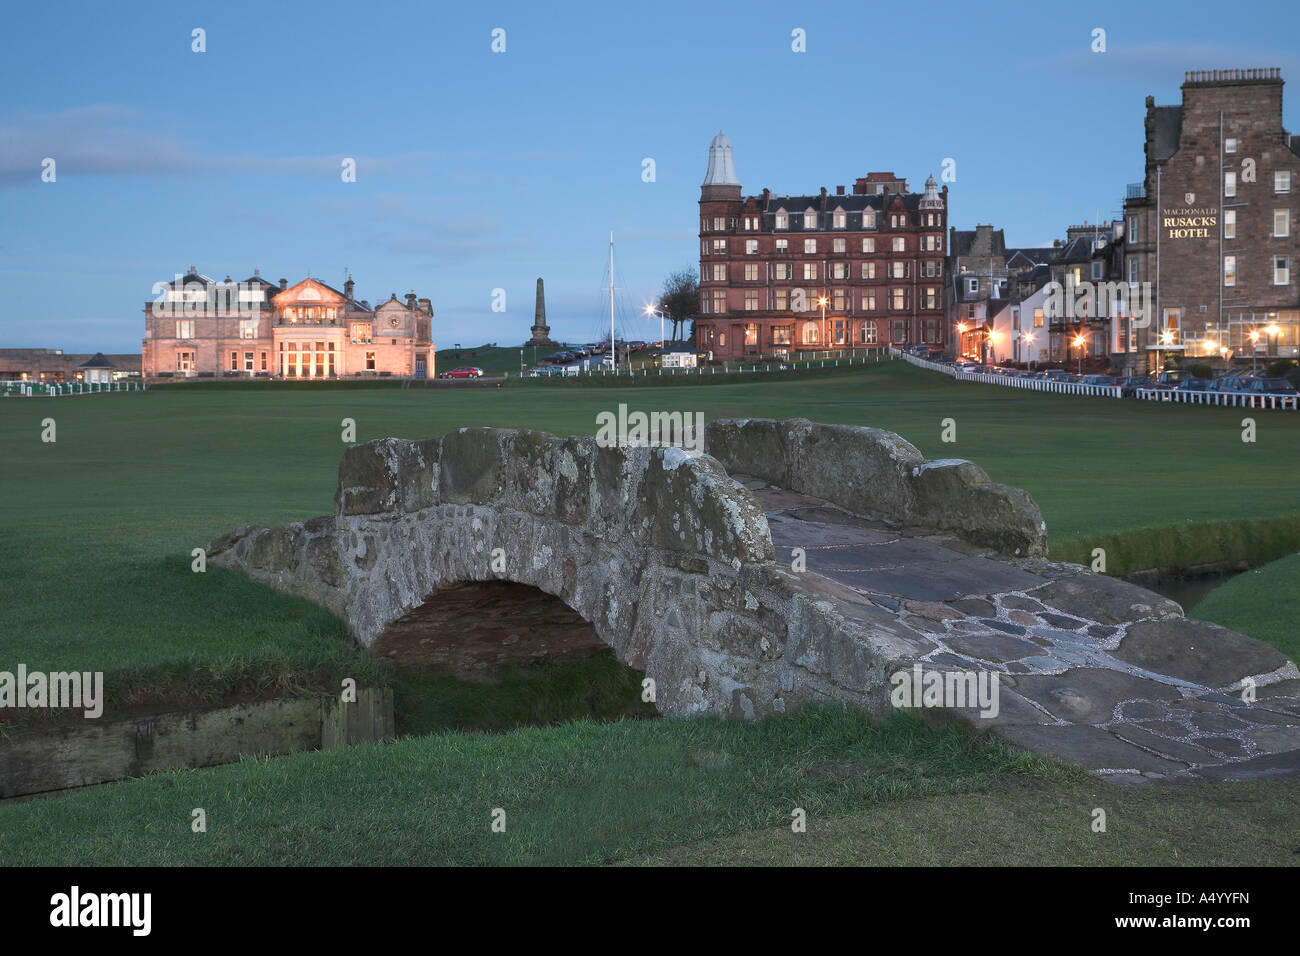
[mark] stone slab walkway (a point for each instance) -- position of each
(1091, 669)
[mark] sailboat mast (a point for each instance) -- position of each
(613, 355)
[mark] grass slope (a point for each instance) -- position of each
(1264, 603)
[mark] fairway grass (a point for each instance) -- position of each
(97, 528)
(96, 534)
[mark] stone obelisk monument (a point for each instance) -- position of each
(541, 331)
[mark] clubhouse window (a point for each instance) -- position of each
(867, 333)
(781, 334)
(370, 361)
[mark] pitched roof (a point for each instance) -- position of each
(97, 361)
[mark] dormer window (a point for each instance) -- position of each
(869, 219)
(841, 219)
(810, 219)
(782, 219)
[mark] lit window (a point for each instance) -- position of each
(1281, 223)
(751, 300)
(719, 246)
(1229, 270)
(248, 328)
(900, 244)
(751, 247)
(898, 298)
(868, 270)
(1230, 224)
(810, 245)
(810, 270)
(869, 300)
(719, 272)
(1230, 184)
(869, 244)
(751, 272)
(370, 361)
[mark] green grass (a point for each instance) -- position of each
(1264, 603)
(95, 538)
(542, 692)
(1034, 823)
(580, 793)
(96, 529)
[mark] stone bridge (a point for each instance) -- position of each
(793, 563)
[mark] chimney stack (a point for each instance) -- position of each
(839, 190)
(410, 300)
(284, 284)
(349, 287)
(426, 307)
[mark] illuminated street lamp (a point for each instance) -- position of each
(1028, 338)
(1079, 341)
(650, 310)
(821, 300)
(961, 332)
(1254, 347)
(994, 335)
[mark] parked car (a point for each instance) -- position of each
(1171, 379)
(1128, 386)
(1271, 386)
(1098, 380)
(464, 371)
(1194, 385)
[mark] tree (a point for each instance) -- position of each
(680, 298)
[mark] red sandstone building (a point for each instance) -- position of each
(784, 274)
(200, 327)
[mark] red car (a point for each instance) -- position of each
(465, 371)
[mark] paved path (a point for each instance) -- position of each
(1090, 669)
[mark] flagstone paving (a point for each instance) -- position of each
(1091, 669)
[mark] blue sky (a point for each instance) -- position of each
(479, 170)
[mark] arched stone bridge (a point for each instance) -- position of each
(792, 563)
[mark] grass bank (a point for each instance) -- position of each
(1264, 603)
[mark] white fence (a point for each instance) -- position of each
(1015, 381)
(832, 360)
(1186, 396)
(23, 389)
(1228, 399)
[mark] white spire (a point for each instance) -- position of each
(722, 166)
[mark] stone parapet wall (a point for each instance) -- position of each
(869, 471)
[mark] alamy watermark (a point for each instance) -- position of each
(1081, 300)
(58, 689)
(951, 689)
(624, 429)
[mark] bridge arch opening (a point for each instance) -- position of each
(473, 628)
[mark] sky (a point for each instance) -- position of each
(479, 170)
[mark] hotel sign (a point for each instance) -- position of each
(1189, 223)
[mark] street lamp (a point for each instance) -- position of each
(961, 336)
(1028, 338)
(1079, 341)
(1254, 347)
(651, 310)
(821, 300)
(994, 335)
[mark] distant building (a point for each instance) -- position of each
(54, 365)
(1213, 225)
(789, 273)
(198, 327)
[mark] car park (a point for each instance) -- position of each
(1271, 386)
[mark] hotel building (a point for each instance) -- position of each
(1213, 225)
(790, 273)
